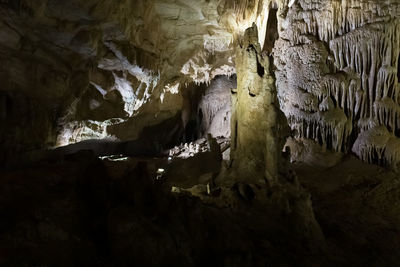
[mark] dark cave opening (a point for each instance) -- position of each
(271, 34)
(190, 115)
(191, 131)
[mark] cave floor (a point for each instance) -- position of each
(83, 210)
(358, 208)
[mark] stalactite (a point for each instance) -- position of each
(215, 107)
(354, 81)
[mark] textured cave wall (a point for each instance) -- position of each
(77, 70)
(95, 70)
(336, 71)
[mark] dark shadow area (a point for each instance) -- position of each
(272, 31)
(192, 130)
(78, 213)
(260, 69)
(191, 116)
(153, 142)
(141, 147)
(397, 132)
(398, 69)
(85, 211)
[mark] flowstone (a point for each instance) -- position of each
(337, 81)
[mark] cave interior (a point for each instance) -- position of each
(200, 133)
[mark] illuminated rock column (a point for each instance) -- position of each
(255, 146)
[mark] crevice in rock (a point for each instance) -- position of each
(272, 31)
(398, 69)
(260, 69)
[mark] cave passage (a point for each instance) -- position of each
(191, 131)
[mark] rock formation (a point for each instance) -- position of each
(256, 142)
(337, 77)
(199, 132)
(93, 68)
(130, 65)
(215, 107)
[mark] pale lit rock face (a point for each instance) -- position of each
(337, 64)
(215, 107)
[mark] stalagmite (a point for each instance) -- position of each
(256, 147)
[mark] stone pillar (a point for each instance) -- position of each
(255, 146)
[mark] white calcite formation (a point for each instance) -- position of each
(337, 75)
(215, 107)
(187, 150)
